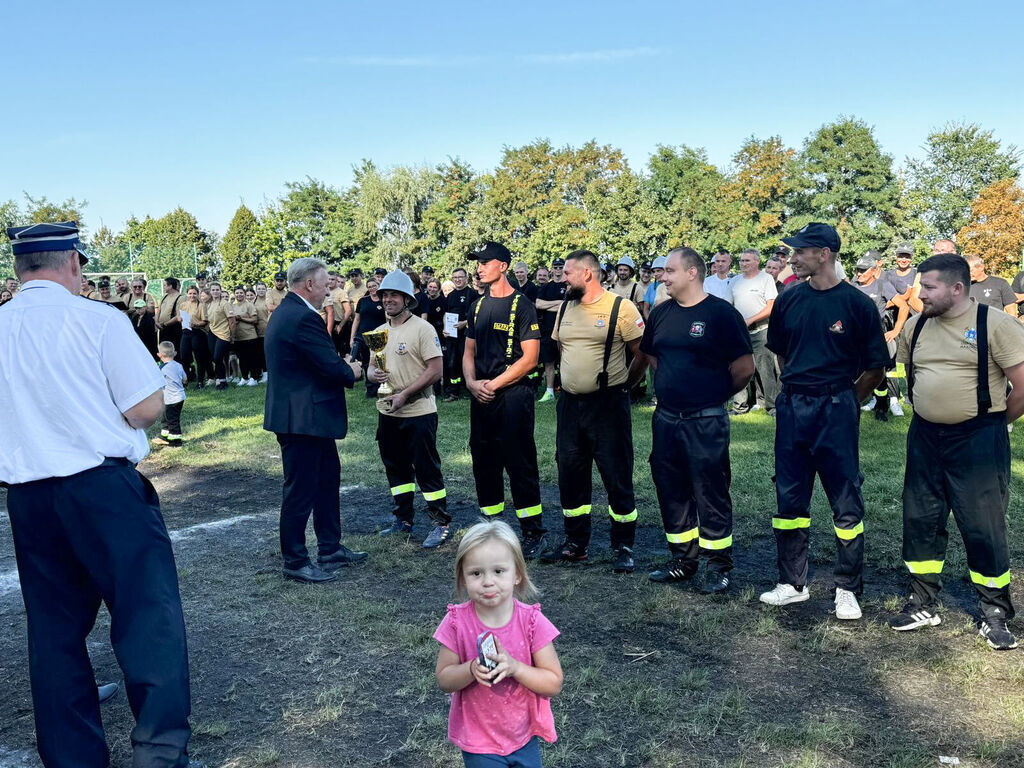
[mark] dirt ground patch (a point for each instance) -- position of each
(342, 675)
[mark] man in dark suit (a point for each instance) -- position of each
(305, 407)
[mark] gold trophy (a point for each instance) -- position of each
(377, 341)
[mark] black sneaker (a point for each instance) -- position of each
(221, 385)
(881, 415)
(624, 561)
(533, 545)
(715, 582)
(398, 527)
(913, 616)
(437, 537)
(566, 552)
(993, 629)
(674, 570)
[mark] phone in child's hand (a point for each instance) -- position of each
(485, 647)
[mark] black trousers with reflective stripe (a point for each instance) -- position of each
(453, 351)
(98, 536)
(818, 435)
(965, 468)
(596, 428)
(690, 467)
(408, 448)
(501, 440)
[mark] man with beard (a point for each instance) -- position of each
(700, 349)
(277, 291)
(502, 340)
(959, 354)
(625, 286)
(593, 329)
(549, 299)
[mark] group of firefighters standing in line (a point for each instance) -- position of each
(965, 368)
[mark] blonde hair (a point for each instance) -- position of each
(494, 530)
(165, 348)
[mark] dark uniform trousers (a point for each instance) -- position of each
(690, 467)
(453, 351)
(408, 448)
(312, 476)
(596, 428)
(964, 467)
(194, 347)
(817, 432)
(99, 536)
(501, 439)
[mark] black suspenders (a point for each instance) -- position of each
(984, 396)
(602, 377)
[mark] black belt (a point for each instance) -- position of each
(115, 462)
(820, 390)
(702, 413)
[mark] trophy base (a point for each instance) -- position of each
(385, 390)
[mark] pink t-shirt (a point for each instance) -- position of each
(503, 718)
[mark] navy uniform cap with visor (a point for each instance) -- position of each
(559, 262)
(492, 251)
(38, 238)
(815, 235)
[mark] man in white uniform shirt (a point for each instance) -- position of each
(718, 282)
(753, 295)
(77, 389)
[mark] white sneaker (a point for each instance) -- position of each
(847, 606)
(869, 405)
(263, 378)
(784, 594)
(251, 382)
(894, 406)
(240, 383)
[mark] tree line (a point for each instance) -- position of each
(543, 201)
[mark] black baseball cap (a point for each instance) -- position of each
(558, 262)
(904, 249)
(355, 271)
(781, 251)
(200, 276)
(427, 270)
(492, 251)
(281, 276)
(380, 271)
(646, 265)
(815, 235)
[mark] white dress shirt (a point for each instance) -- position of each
(69, 369)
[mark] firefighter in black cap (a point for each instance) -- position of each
(502, 342)
(829, 342)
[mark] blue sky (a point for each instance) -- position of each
(138, 109)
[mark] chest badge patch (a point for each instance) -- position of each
(697, 329)
(599, 323)
(837, 327)
(971, 335)
(402, 348)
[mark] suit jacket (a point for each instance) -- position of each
(307, 378)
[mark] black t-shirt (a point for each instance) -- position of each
(881, 292)
(695, 347)
(489, 327)
(434, 309)
(550, 291)
(1017, 286)
(459, 301)
(993, 291)
(529, 290)
(827, 338)
(371, 314)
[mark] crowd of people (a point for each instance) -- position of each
(791, 336)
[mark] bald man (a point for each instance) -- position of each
(943, 246)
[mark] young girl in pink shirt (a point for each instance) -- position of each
(497, 714)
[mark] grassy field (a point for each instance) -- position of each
(288, 675)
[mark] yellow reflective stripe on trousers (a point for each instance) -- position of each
(790, 524)
(435, 495)
(404, 488)
(494, 509)
(682, 538)
(992, 582)
(924, 566)
(849, 534)
(529, 511)
(715, 543)
(899, 373)
(576, 511)
(630, 518)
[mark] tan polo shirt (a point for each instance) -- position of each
(355, 294)
(196, 313)
(243, 331)
(630, 291)
(217, 317)
(410, 345)
(167, 310)
(262, 316)
(946, 362)
(274, 297)
(339, 298)
(581, 339)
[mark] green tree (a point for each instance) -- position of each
(9, 217)
(958, 162)
(451, 223)
(686, 190)
(845, 179)
(41, 209)
(623, 219)
(173, 245)
(389, 212)
(241, 262)
(757, 192)
(996, 227)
